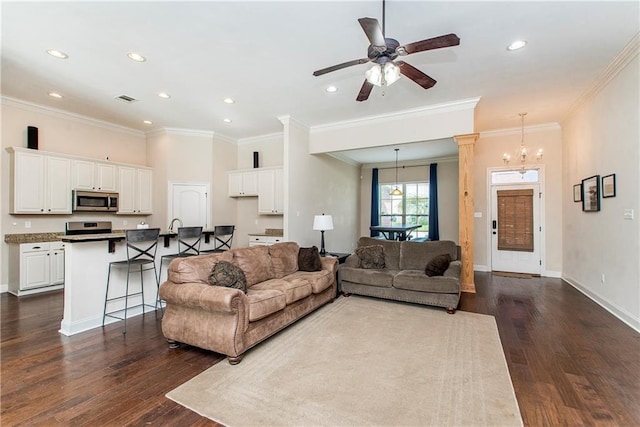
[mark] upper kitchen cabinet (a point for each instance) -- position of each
(96, 176)
(270, 192)
(135, 190)
(40, 183)
(243, 183)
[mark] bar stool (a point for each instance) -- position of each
(223, 235)
(188, 245)
(141, 255)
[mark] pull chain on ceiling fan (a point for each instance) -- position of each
(383, 51)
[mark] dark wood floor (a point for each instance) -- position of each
(571, 362)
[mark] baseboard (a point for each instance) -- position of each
(551, 273)
(477, 267)
(627, 318)
(4, 288)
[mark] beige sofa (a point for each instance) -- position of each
(228, 321)
(404, 278)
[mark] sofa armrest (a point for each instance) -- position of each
(352, 260)
(206, 297)
(330, 264)
(454, 270)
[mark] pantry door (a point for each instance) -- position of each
(190, 203)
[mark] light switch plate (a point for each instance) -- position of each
(628, 214)
(477, 214)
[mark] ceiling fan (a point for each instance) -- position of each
(383, 51)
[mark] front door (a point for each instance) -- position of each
(190, 203)
(515, 228)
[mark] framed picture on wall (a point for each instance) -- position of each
(591, 194)
(577, 193)
(609, 185)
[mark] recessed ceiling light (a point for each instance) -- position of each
(229, 101)
(57, 53)
(147, 122)
(331, 89)
(136, 57)
(226, 120)
(518, 44)
(164, 95)
(55, 95)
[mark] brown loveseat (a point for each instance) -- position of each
(228, 321)
(403, 276)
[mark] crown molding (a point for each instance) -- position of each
(55, 112)
(343, 159)
(287, 119)
(544, 127)
(185, 132)
(260, 138)
(619, 62)
(464, 104)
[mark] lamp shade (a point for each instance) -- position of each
(322, 222)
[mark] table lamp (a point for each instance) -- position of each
(322, 222)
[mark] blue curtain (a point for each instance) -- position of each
(375, 200)
(434, 233)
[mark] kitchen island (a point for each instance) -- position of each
(86, 263)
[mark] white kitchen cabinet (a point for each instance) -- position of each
(270, 192)
(39, 267)
(98, 176)
(262, 240)
(243, 183)
(135, 190)
(41, 183)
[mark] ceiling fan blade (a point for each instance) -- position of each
(365, 90)
(372, 29)
(429, 44)
(340, 66)
(416, 75)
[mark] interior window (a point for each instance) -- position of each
(410, 208)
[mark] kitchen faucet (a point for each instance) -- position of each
(172, 222)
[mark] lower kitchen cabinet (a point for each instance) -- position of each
(36, 267)
(262, 240)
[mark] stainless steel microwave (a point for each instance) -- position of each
(96, 201)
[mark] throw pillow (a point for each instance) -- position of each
(309, 259)
(371, 257)
(438, 265)
(224, 273)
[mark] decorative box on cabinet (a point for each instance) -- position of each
(134, 190)
(88, 175)
(243, 183)
(270, 192)
(36, 267)
(40, 183)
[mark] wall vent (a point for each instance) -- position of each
(126, 98)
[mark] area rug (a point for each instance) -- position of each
(363, 361)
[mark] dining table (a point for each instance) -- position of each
(395, 232)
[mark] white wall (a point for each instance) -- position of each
(64, 133)
(447, 192)
(316, 184)
(488, 154)
(602, 137)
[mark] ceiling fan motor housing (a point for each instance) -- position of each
(375, 55)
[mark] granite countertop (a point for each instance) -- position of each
(33, 237)
(276, 232)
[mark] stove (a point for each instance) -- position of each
(74, 228)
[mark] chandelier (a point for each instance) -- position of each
(522, 152)
(396, 191)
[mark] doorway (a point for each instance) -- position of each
(190, 203)
(515, 224)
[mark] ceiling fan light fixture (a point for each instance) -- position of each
(374, 75)
(391, 73)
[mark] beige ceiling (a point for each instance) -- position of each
(263, 55)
